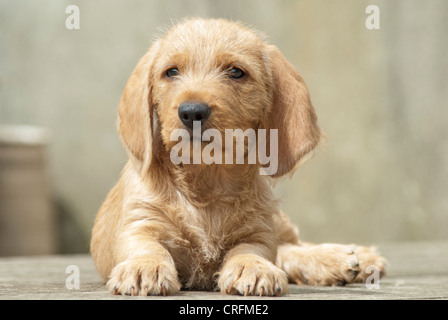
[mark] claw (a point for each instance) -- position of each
(116, 291)
(230, 288)
(146, 291)
(261, 291)
(350, 250)
(247, 291)
(277, 293)
(163, 291)
(132, 291)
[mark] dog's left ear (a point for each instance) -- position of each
(135, 112)
(292, 114)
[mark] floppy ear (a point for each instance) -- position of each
(135, 112)
(292, 114)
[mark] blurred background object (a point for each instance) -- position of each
(27, 221)
(380, 96)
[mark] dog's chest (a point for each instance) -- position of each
(202, 243)
(203, 261)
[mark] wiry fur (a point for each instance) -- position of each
(197, 226)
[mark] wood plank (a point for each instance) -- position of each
(416, 271)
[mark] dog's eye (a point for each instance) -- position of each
(236, 73)
(172, 72)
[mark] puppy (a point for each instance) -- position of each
(198, 226)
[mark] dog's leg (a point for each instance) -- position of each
(324, 264)
(327, 264)
(247, 270)
(148, 269)
(369, 257)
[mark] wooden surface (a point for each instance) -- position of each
(416, 271)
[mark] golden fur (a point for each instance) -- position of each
(195, 226)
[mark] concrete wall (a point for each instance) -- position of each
(380, 96)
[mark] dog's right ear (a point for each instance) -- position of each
(292, 114)
(135, 112)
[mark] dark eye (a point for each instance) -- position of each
(236, 73)
(172, 72)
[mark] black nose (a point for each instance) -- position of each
(193, 111)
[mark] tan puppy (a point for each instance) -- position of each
(167, 226)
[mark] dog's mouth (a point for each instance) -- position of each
(211, 145)
(196, 135)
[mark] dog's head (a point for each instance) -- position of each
(224, 76)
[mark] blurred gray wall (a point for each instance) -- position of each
(380, 95)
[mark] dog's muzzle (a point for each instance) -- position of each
(193, 111)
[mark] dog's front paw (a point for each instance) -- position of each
(369, 261)
(249, 274)
(325, 264)
(144, 276)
